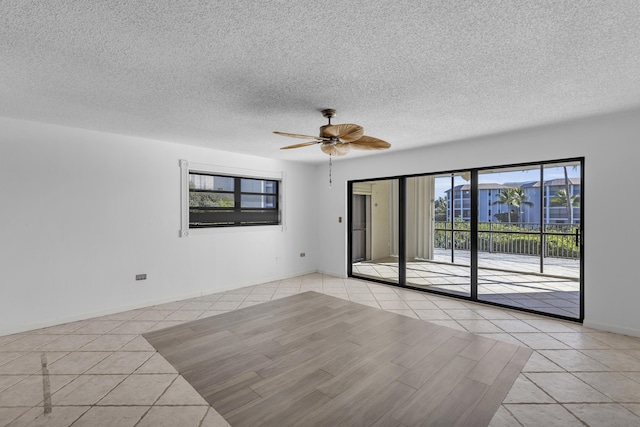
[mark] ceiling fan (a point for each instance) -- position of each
(337, 140)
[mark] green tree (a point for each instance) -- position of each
(561, 199)
(507, 216)
(210, 200)
(440, 207)
(199, 199)
(512, 196)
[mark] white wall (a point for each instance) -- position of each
(81, 213)
(612, 232)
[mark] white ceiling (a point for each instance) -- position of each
(226, 73)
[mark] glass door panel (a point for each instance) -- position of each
(438, 233)
(375, 230)
(562, 234)
(525, 238)
(508, 219)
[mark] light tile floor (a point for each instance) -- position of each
(103, 372)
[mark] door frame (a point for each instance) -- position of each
(402, 282)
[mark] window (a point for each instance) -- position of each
(229, 201)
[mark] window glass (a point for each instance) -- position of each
(257, 186)
(210, 182)
(257, 201)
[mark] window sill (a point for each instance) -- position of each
(206, 231)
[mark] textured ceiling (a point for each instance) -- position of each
(225, 74)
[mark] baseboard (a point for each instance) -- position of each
(332, 273)
(256, 282)
(91, 315)
(150, 303)
(611, 328)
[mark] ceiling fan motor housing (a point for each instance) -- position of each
(333, 141)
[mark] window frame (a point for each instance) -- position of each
(187, 168)
(239, 215)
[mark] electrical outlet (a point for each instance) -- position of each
(340, 219)
(141, 277)
(302, 254)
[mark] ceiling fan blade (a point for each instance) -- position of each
(297, 135)
(370, 143)
(336, 150)
(303, 144)
(346, 132)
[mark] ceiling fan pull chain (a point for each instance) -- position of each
(329, 170)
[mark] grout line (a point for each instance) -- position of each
(157, 399)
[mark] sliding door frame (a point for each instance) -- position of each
(402, 261)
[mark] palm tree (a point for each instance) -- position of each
(567, 201)
(562, 199)
(512, 197)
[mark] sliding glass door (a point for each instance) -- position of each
(510, 236)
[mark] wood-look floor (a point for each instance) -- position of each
(315, 360)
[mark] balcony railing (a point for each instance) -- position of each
(558, 240)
